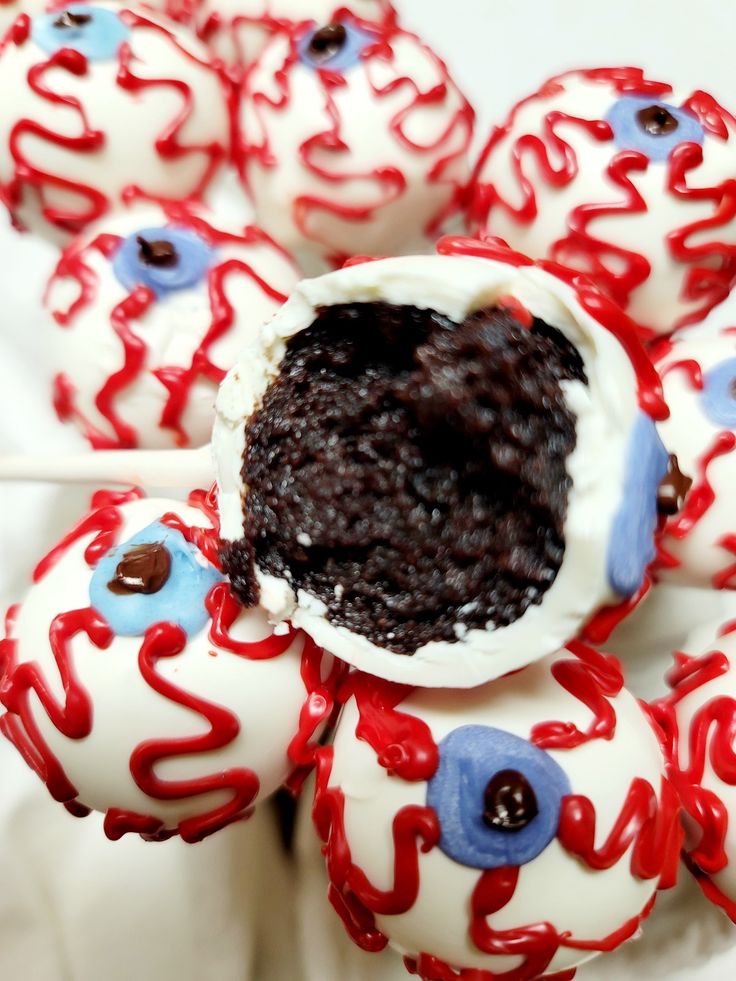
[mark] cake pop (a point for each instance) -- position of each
(624, 178)
(699, 716)
(442, 466)
(109, 99)
(513, 831)
(151, 307)
(698, 370)
(353, 140)
(238, 30)
(134, 683)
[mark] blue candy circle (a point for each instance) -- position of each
(470, 757)
(98, 38)
(348, 56)
(629, 134)
(719, 394)
(181, 598)
(631, 547)
(194, 258)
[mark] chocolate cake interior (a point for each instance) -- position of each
(410, 471)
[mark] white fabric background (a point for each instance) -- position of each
(77, 908)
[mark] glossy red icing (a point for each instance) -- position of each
(91, 202)
(708, 266)
(327, 154)
(128, 323)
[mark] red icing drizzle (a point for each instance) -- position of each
(709, 269)
(93, 201)
(178, 381)
(72, 717)
(646, 825)
(326, 155)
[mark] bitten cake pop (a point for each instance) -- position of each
(624, 178)
(441, 466)
(108, 99)
(353, 140)
(238, 30)
(698, 370)
(151, 308)
(700, 716)
(513, 831)
(134, 683)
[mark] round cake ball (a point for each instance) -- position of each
(518, 829)
(700, 715)
(238, 30)
(353, 140)
(626, 179)
(151, 307)
(136, 685)
(698, 370)
(441, 466)
(107, 100)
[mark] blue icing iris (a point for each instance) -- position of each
(472, 758)
(95, 32)
(719, 394)
(654, 128)
(631, 548)
(177, 583)
(336, 47)
(163, 259)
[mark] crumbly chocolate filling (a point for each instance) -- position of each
(410, 471)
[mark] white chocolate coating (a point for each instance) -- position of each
(238, 30)
(10, 9)
(636, 212)
(370, 166)
(556, 887)
(264, 697)
(701, 542)
(123, 125)
(606, 411)
(249, 274)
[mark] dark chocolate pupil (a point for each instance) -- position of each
(143, 569)
(657, 121)
(67, 20)
(410, 471)
(509, 802)
(159, 253)
(673, 490)
(327, 41)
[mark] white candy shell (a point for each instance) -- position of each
(659, 235)
(189, 336)
(162, 737)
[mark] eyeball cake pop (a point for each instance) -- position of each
(238, 30)
(354, 140)
(698, 370)
(627, 179)
(109, 100)
(700, 716)
(513, 831)
(441, 467)
(134, 684)
(151, 307)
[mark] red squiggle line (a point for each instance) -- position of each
(433, 969)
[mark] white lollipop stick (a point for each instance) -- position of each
(148, 468)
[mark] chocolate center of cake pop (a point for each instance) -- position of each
(673, 490)
(143, 569)
(410, 472)
(68, 20)
(509, 802)
(161, 253)
(327, 41)
(657, 120)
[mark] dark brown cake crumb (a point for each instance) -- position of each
(410, 472)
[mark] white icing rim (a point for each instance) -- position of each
(606, 412)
